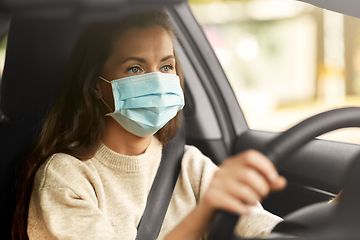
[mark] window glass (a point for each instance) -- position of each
(286, 60)
(3, 42)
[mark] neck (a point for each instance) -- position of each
(121, 141)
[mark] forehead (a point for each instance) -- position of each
(143, 41)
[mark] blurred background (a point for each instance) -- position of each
(286, 60)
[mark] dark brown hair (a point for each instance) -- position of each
(76, 124)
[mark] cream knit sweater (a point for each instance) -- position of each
(104, 197)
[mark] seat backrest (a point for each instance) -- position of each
(36, 54)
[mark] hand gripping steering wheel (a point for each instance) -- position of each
(282, 146)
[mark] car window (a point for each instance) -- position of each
(3, 42)
(286, 60)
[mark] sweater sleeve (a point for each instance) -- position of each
(64, 204)
(259, 223)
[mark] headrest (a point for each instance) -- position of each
(37, 50)
(35, 58)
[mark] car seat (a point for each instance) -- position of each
(32, 74)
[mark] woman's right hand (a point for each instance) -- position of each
(242, 181)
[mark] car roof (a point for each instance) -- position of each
(37, 3)
(68, 7)
(348, 7)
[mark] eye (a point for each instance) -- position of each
(134, 70)
(166, 68)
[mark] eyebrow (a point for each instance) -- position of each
(167, 57)
(143, 60)
(135, 59)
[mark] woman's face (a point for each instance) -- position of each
(138, 51)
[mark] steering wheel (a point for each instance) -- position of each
(282, 146)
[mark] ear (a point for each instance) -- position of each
(97, 90)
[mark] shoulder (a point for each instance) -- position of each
(62, 169)
(193, 155)
(60, 159)
(194, 160)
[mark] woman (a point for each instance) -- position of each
(92, 168)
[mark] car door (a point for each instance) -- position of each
(217, 126)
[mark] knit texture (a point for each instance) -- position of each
(104, 197)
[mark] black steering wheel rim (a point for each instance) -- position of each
(283, 146)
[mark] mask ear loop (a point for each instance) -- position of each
(102, 99)
(104, 79)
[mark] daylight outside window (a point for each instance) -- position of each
(286, 60)
(2, 53)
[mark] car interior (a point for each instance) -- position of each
(40, 37)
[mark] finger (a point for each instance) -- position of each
(243, 193)
(262, 164)
(255, 180)
(279, 184)
(226, 201)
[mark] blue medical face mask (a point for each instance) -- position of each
(145, 103)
